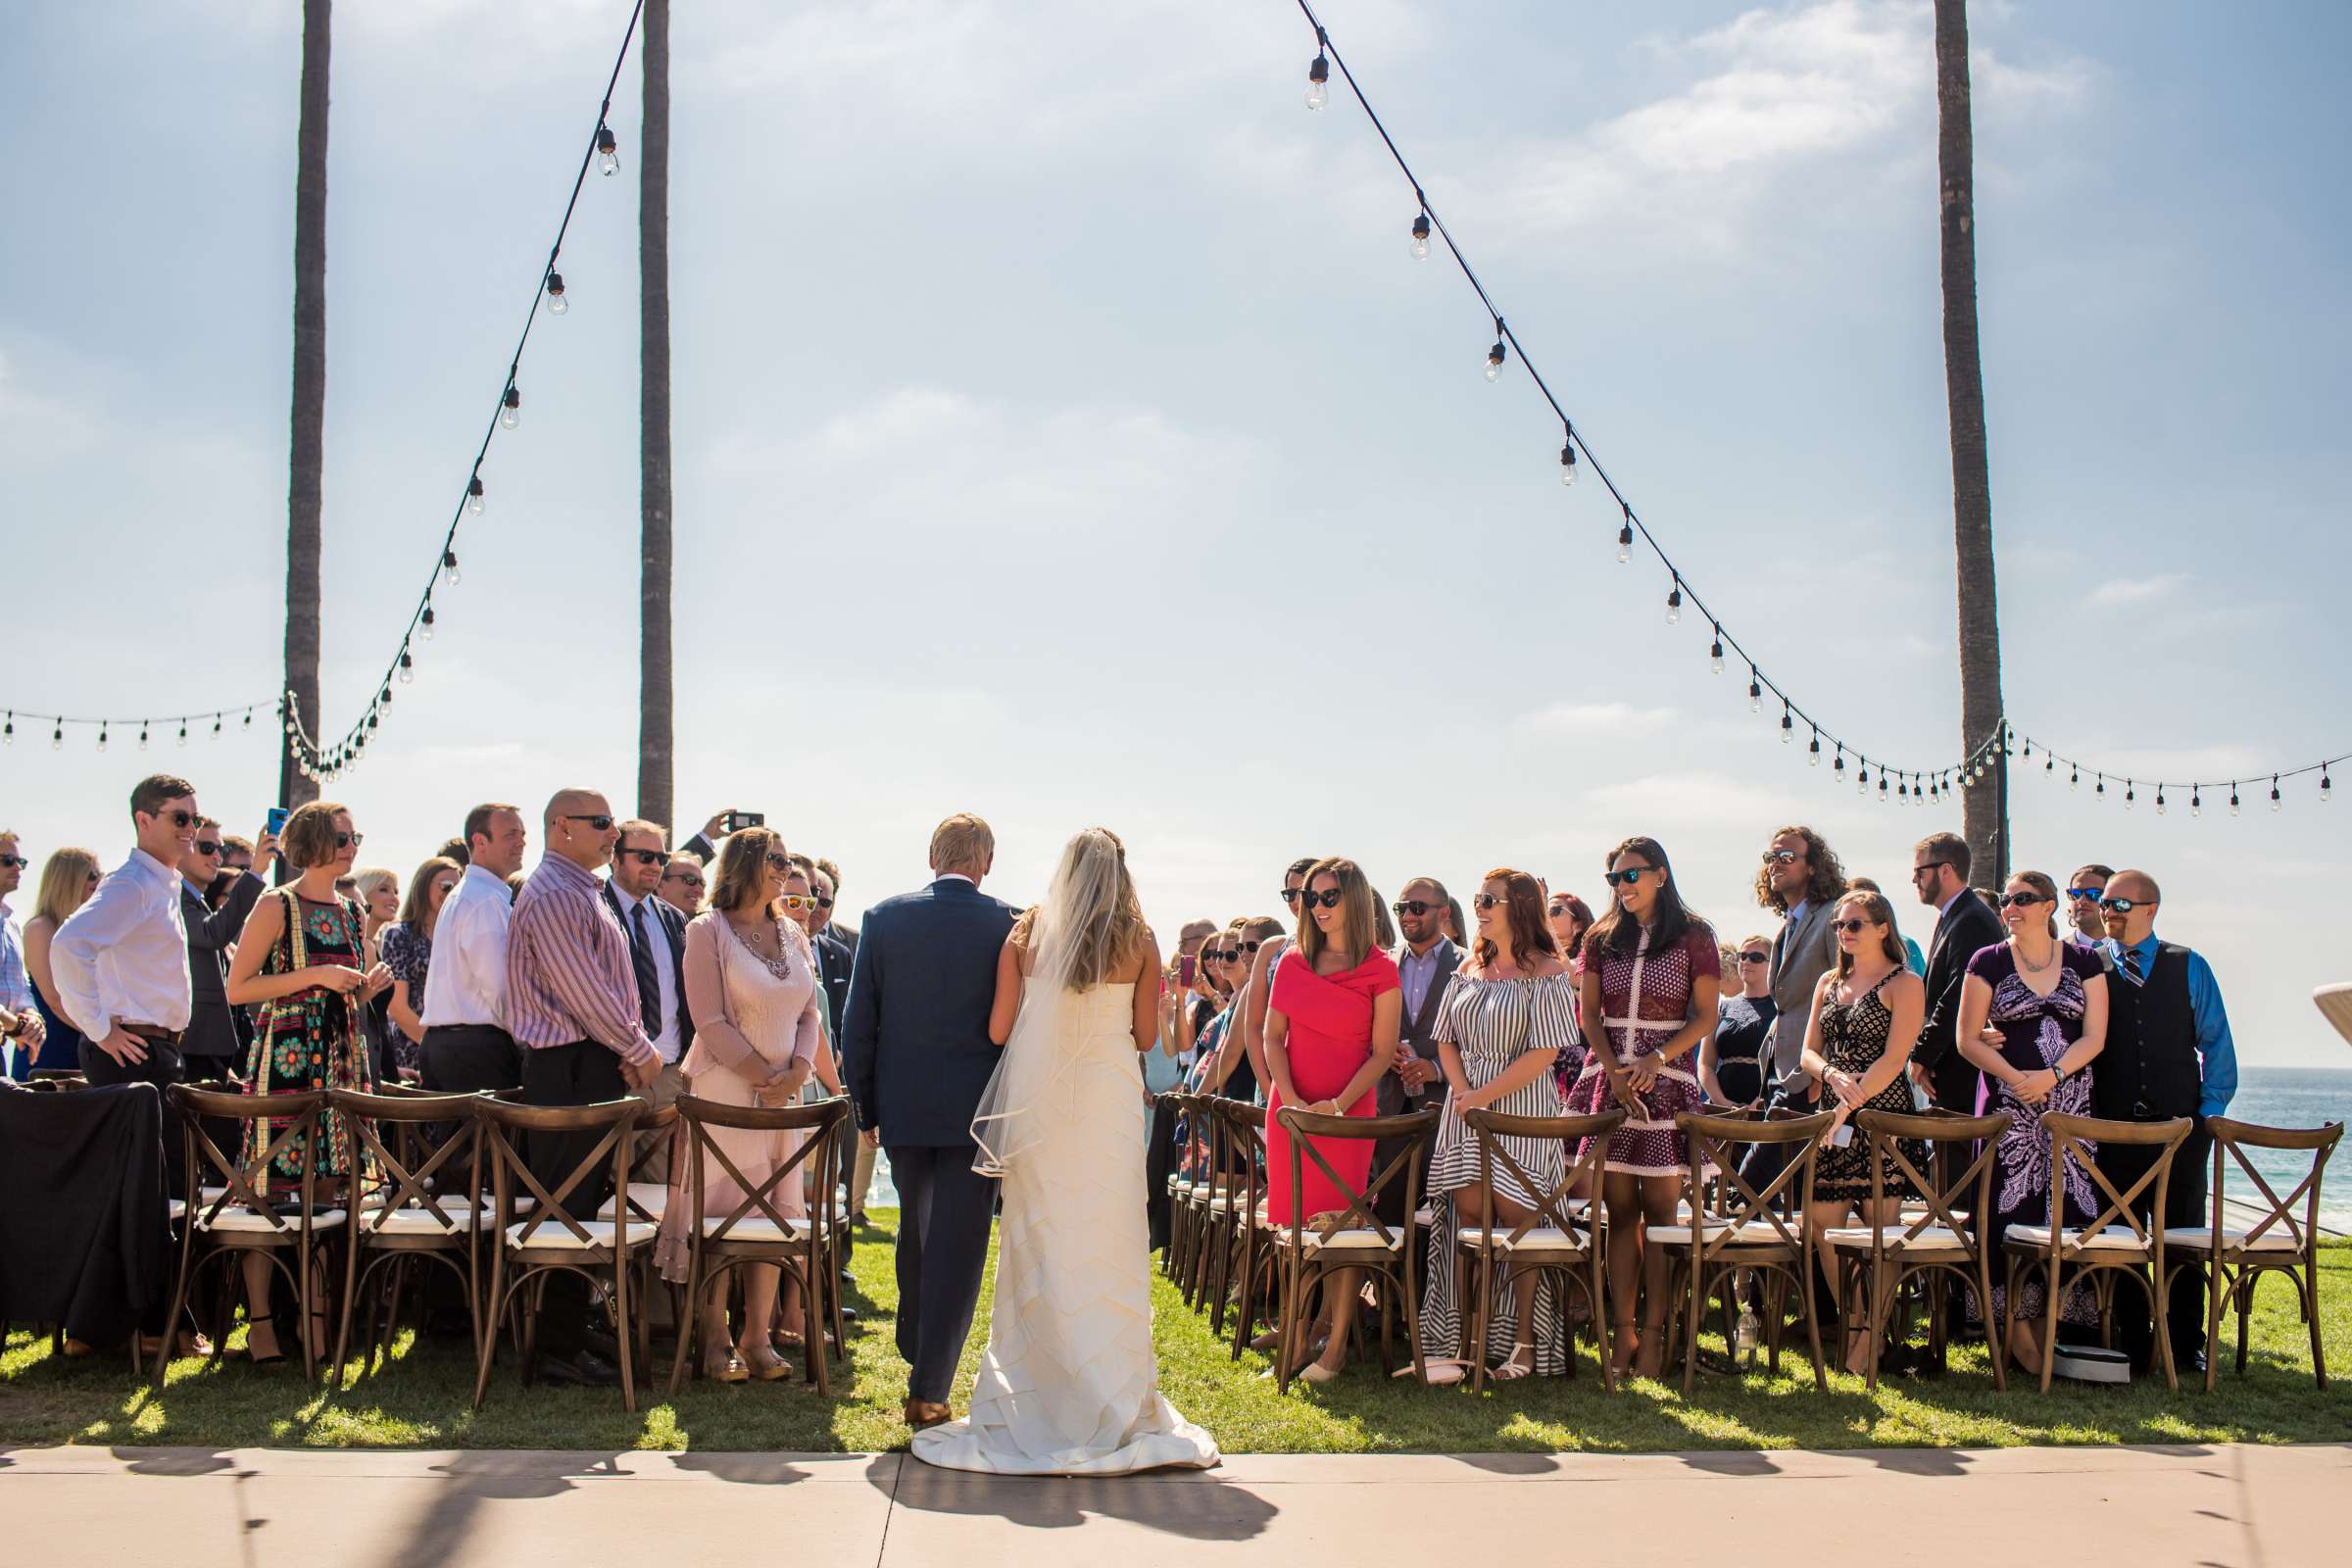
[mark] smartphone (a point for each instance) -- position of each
(1187, 966)
(737, 821)
(277, 819)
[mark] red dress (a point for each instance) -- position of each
(1330, 1039)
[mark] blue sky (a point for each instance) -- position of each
(1063, 431)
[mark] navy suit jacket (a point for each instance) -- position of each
(673, 930)
(834, 967)
(211, 1029)
(914, 1036)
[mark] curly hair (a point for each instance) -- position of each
(1829, 875)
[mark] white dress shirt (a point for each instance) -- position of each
(665, 968)
(466, 982)
(122, 957)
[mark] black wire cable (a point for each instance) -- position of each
(310, 753)
(1915, 780)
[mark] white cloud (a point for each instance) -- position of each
(2135, 590)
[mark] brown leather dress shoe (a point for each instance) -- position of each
(921, 1413)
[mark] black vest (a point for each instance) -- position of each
(2149, 1067)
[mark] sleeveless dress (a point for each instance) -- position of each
(313, 1039)
(1492, 1023)
(1853, 1037)
(762, 1014)
(1644, 1001)
(1330, 1039)
(1069, 1383)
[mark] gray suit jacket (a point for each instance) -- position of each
(1800, 955)
(1419, 1033)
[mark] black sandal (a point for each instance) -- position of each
(252, 1359)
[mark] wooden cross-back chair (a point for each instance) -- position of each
(235, 1218)
(1735, 1225)
(1178, 1186)
(1248, 1259)
(418, 1209)
(1358, 1238)
(1561, 1238)
(2117, 1244)
(1937, 1239)
(541, 1236)
(2235, 1257)
(757, 1231)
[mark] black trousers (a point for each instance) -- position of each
(1159, 1158)
(945, 1207)
(2185, 1205)
(581, 1073)
(164, 1067)
(464, 1058)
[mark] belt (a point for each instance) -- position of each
(152, 1031)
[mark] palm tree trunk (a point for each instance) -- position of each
(307, 461)
(1983, 802)
(653, 697)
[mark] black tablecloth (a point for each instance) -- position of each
(84, 1231)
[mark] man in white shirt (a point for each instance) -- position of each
(657, 954)
(120, 961)
(20, 1021)
(465, 1045)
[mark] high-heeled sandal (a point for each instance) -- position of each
(720, 1364)
(763, 1363)
(1511, 1371)
(273, 1359)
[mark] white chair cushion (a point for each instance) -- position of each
(650, 1197)
(247, 1221)
(1755, 1231)
(758, 1227)
(1934, 1239)
(2199, 1238)
(1358, 1239)
(2114, 1238)
(555, 1233)
(416, 1221)
(1542, 1239)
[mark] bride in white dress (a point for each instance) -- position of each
(1071, 1384)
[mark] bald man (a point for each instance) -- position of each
(2168, 1054)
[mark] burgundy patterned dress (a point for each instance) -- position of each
(1644, 1001)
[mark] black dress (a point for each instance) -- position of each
(1853, 1038)
(1741, 1024)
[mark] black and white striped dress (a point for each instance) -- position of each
(1493, 1023)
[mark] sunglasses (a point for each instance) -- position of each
(1558, 910)
(201, 848)
(683, 879)
(1415, 906)
(178, 819)
(824, 904)
(1290, 896)
(350, 841)
(778, 863)
(2124, 906)
(798, 901)
(1919, 871)
(1628, 878)
(1781, 856)
(1849, 928)
(1484, 901)
(1754, 958)
(644, 857)
(1248, 948)
(1329, 898)
(2020, 901)
(597, 820)
(1221, 955)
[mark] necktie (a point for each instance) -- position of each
(649, 982)
(2132, 966)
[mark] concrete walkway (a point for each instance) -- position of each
(269, 1508)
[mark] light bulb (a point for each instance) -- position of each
(1787, 730)
(2233, 810)
(2327, 788)
(102, 741)
(8, 736)
(449, 567)
(2073, 780)
(1862, 784)
(509, 413)
(1421, 238)
(1813, 758)
(1715, 653)
(425, 624)
(57, 739)
(557, 304)
(1673, 606)
(1568, 464)
(1625, 544)
(2160, 803)
(474, 495)
(1318, 83)
(408, 671)
(184, 734)
(2196, 804)
(1756, 694)
(608, 153)
(1495, 359)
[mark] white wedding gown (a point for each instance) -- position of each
(1071, 1384)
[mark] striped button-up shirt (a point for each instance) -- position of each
(569, 975)
(15, 987)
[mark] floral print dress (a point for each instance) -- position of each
(310, 1039)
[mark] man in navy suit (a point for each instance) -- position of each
(915, 1046)
(658, 957)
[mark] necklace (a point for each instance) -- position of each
(2028, 965)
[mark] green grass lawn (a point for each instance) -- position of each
(421, 1401)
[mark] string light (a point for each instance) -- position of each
(1625, 541)
(1674, 604)
(1318, 76)
(557, 303)
(474, 495)
(1715, 651)
(424, 623)
(1421, 238)
(1496, 355)
(1568, 460)
(1755, 692)
(511, 414)
(1787, 724)
(608, 152)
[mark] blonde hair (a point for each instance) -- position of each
(742, 872)
(1096, 909)
(64, 881)
(376, 877)
(1360, 911)
(963, 844)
